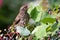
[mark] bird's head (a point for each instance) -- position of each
(24, 8)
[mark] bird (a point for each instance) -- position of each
(23, 17)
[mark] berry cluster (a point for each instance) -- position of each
(50, 11)
(56, 36)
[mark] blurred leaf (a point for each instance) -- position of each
(54, 27)
(48, 29)
(41, 31)
(34, 13)
(48, 20)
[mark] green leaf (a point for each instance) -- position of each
(48, 29)
(34, 13)
(41, 31)
(54, 27)
(48, 20)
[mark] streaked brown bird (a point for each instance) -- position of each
(23, 17)
(22, 20)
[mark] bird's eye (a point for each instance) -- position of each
(25, 6)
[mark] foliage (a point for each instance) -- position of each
(47, 22)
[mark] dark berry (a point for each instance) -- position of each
(34, 25)
(59, 8)
(56, 21)
(46, 23)
(56, 38)
(50, 11)
(58, 12)
(58, 33)
(59, 28)
(38, 38)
